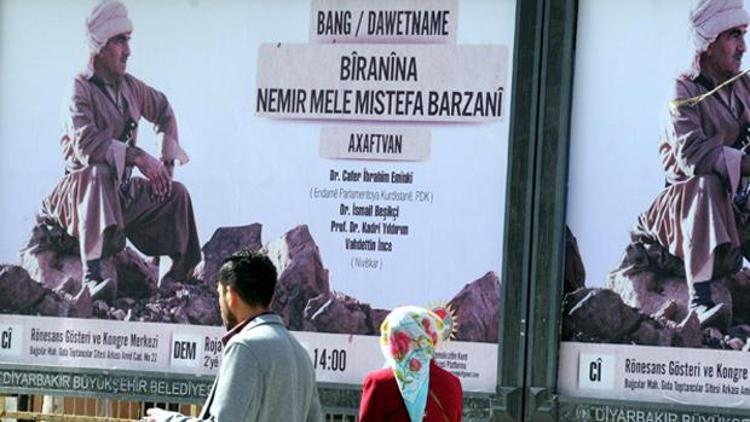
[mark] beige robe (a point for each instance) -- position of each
(88, 200)
(694, 216)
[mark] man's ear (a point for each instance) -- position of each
(231, 295)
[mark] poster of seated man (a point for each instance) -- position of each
(657, 284)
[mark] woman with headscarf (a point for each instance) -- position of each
(412, 387)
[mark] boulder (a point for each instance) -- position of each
(377, 316)
(600, 315)
(339, 313)
(20, 294)
(23, 295)
(649, 292)
(224, 242)
(51, 305)
(51, 257)
(200, 309)
(70, 286)
(739, 288)
(688, 333)
(667, 311)
(575, 271)
(477, 309)
(301, 274)
(52, 268)
(81, 305)
(180, 316)
(136, 278)
(651, 332)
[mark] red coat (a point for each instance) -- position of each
(381, 400)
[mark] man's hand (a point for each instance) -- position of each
(156, 414)
(154, 170)
(169, 165)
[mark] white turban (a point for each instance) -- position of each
(109, 18)
(709, 18)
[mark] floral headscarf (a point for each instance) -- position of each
(409, 335)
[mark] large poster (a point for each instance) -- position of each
(362, 144)
(648, 313)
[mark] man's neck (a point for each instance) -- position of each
(106, 77)
(250, 312)
(714, 75)
(243, 319)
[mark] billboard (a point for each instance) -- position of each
(362, 145)
(635, 248)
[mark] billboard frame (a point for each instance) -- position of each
(547, 262)
(507, 402)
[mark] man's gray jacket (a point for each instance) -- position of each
(265, 375)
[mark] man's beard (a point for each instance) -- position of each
(230, 320)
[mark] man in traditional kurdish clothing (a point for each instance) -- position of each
(98, 201)
(702, 216)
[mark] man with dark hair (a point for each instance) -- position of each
(265, 373)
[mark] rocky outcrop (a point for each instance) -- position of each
(739, 289)
(649, 292)
(201, 309)
(25, 296)
(688, 332)
(600, 315)
(646, 304)
(20, 292)
(575, 271)
(646, 309)
(339, 313)
(48, 282)
(477, 309)
(51, 284)
(301, 274)
(377, 316)
(51, 257)
(192, 304)
(136, 278)
(53, 269)
(224, 242)
(305, 301)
